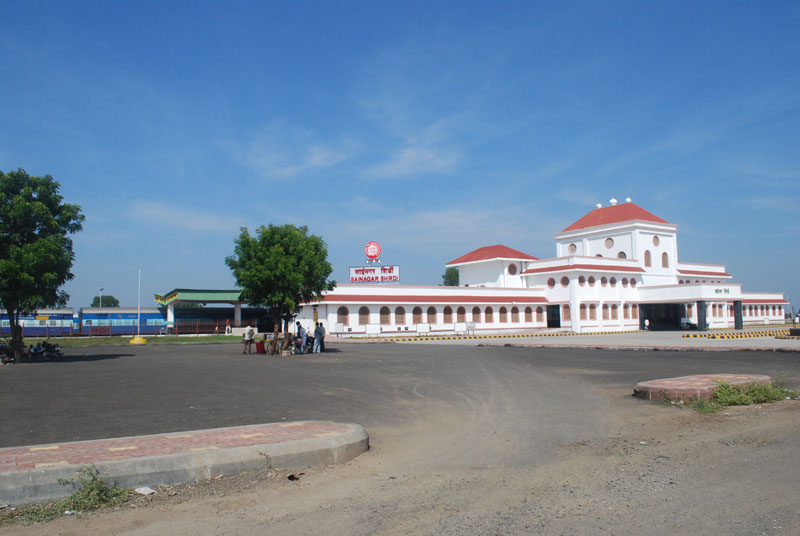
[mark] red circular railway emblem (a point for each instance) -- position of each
(372, 250)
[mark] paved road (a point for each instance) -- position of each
(123, 391)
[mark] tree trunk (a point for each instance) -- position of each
(17, 344)
(276, 327)
(286, 320)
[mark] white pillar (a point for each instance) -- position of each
(171, 312)
(237, 314)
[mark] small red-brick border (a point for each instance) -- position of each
(688, 388)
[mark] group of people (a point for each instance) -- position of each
(319, 338)
(300, 341)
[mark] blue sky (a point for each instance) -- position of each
(432, 127)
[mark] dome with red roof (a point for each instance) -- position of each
(614, 214)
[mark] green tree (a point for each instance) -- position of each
(281, 267)
(108, 301)
(450, 277)
(35, 248)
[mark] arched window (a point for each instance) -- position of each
(416, 315)
(591, 280)
(583, 311)
(633, 281)
(461, 314)
(476, 314)
(448, 315)
(624, 282)
(386, 316)
(626, 311)
(503, 315)
(664, 260)
(605, 311)
(514, 314)
(565, 313)
(488, 315)
(603, 281)
(551, 282)
(622, 255)
(582, 280)
(431, 314)
(614, 312)
(634, 311)
(680, 282)
(400, 316)
(648, 259)
(565, 281)
(592, 312)
(689, 312)
(528, 314)
(613, 281)
(539, 314)
(363, 315)
(343, 315)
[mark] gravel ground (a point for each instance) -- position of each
(522, 442)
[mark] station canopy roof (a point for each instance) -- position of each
(199, 296)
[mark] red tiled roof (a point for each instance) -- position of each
(492, 252)
(614, 214)
(399, 298)
(594, 267)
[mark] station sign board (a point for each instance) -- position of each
(375, 274)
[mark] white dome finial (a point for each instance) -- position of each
(613, 201)
(599, 205)
(628, 199)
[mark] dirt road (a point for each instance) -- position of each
(518, 446)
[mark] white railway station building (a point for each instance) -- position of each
(614, 268)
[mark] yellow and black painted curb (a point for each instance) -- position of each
(510, 336)
(743, 335)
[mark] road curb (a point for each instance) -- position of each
(25, 486)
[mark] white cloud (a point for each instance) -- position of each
(280, 152)
(168, 215)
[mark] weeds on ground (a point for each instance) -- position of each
(742, 395)
(93, 492)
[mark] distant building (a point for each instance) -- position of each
(614, 267)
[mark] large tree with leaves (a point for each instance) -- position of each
(281, 267)
(35, 247)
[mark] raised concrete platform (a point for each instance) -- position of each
(32, 473)
(688, 388)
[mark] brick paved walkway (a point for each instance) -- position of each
(125, 448)
(688, 388)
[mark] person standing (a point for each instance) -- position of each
(322, 338)
(249, 333)
(318, 334)
(302, 334)
(227, 327)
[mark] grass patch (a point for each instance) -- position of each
(93, 492)
(742, 395)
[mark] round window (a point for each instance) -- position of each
(624, 281)
(613, 281)
(565, 281)
(591, 280)
(633, 281)
(581, 280)
(551, 282)
(512, 269)
(609, 243)
(656, 241)
(603, 281)
(572, 249)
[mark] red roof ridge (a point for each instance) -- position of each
(614, 214)
(492, 252)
